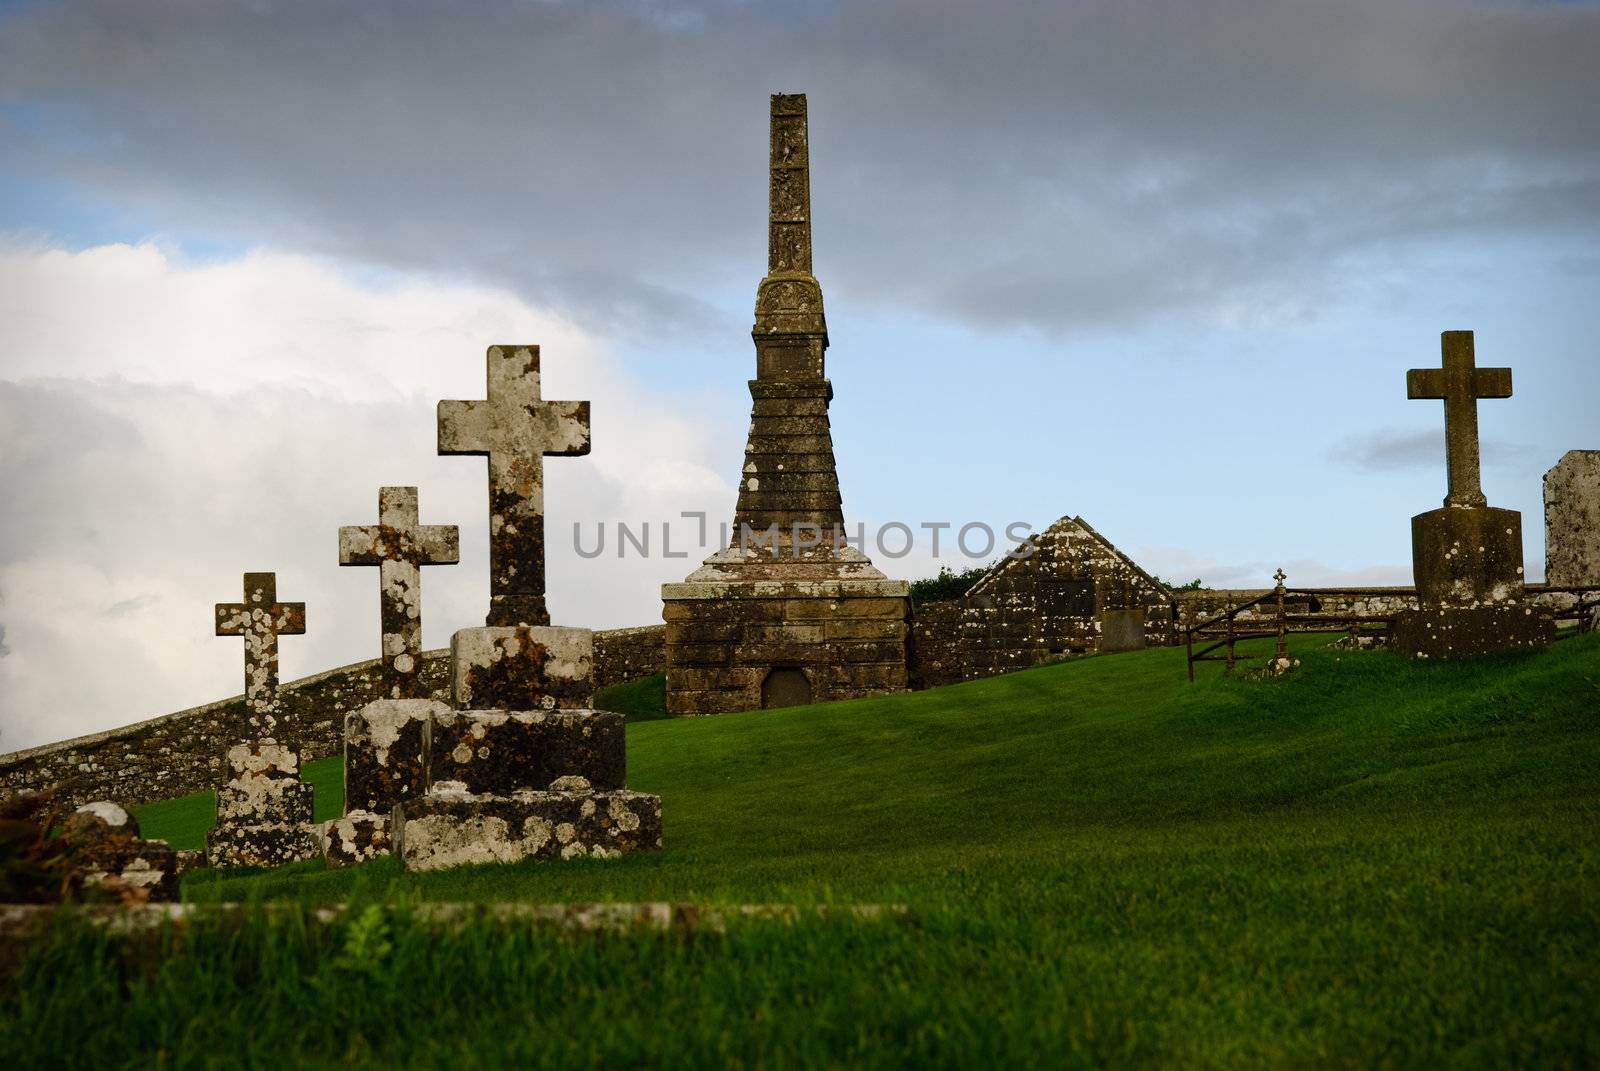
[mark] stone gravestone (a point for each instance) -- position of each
(386, 740)
(521, 767)
(1467, 556)
(264, 810)
(1572, 520)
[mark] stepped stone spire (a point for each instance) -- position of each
(789, 477)
(789, 612)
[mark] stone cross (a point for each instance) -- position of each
(261, 619)
(516, 429)
(1460, 384)
(399, 545)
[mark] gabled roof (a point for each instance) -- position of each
(1059, 528)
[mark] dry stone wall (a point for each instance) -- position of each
(626, 654)
(184, 752)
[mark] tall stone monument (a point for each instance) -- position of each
(790, 612)
(517, 765)
(264, 810)
(1572, 520)
(1466, 557)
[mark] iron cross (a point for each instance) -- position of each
(1460, 384)
(261, 619)
(516, 429)
(399, 545)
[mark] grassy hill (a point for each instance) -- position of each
(1369, 862)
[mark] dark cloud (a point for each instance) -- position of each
(1008, 163)
(1393, 451)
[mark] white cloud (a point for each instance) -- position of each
(166, 426)
(1179, 566)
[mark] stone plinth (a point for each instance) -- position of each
(499, 751)
(266, 845)
(264, 811)
(451, 828)
(748, 644)
(386, 748)
(1468, 567)
(268, 800)
(1461, 632)
(522, 667)
(1572, 520)
(355, 838)
(1467, 557)
(520, 781)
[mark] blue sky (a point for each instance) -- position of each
(1162, 265)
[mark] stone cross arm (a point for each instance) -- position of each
(261, 613)
(1436, 383)
(399, 535)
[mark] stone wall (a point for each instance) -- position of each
(626, 654)
(936, 652)
(1197, 606)
(179, 753)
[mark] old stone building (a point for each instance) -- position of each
(1073, 593)
(789, 613)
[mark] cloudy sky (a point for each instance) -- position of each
(1163, 265)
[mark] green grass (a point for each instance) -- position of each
(1371, 862)
(644, 699)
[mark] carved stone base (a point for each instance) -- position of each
(355, 838)
(522, 667)
(253, 801)
(1461, 632)
(386, 752)
(1464, 556)
(749, 645)
(497, 751)
(448, 828)
(268, 844)
(264, 811)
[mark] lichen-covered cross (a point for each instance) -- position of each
(1460, 383)
(516, 429)
(399, 545)
(261, 619)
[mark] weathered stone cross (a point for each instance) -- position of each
(399, 545)
(261, 619)
(1460, 384)
(516, 428)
